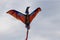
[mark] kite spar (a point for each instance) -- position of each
(26, 19)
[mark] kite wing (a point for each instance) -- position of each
(34, 13)
(17, 15)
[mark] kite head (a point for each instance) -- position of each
(27, 10)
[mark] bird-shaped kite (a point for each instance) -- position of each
(26, 19)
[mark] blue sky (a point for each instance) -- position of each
(45, 26)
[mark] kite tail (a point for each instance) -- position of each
(27, 34)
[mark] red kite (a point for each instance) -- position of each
(26, 19)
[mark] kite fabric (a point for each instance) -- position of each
(17, 15)
(27, 34)
(21, 16)
(26, 19)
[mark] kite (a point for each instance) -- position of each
(25, 18)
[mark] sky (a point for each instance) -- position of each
(45, 26)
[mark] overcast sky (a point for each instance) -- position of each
(45, 26)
